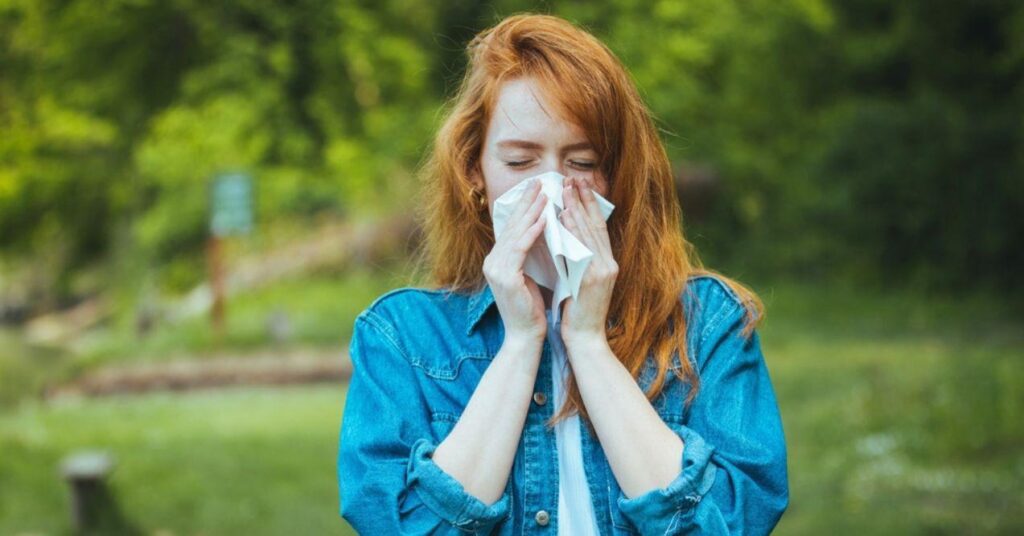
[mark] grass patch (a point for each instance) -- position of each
(902, 414)
(320, 310)
(230, 461)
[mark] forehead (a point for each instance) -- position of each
(523, 111)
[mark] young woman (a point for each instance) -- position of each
(646, 409)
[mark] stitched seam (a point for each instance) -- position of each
(395, 292)
(720, 284)
(444, 416)
(446, 373)
(674, 522)
(720, 315)
(384, 330)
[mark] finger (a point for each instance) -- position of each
(590, 203)
(587, 204)
(585, 233)
(525, 202)
(600, 226)
(579, 218)
(517, 224)
(566, 216)
(518, 250)
(567, 193)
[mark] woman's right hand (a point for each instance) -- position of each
(518, 297)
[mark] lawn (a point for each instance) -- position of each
(228, 461)
(903, 414)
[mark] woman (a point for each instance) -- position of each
(669, 422)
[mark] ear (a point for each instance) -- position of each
(476, 177)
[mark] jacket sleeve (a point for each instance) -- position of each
(733, 476)
(388, 482)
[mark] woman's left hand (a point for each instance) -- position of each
(587, 317)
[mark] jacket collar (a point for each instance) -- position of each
(479, 302)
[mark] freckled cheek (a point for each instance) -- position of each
(498, 180)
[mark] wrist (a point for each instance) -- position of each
(521, 355)
(523, 342)
(585, 340)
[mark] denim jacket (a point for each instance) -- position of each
(417, 356)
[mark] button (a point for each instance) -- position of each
(540, 398)
(542, 517)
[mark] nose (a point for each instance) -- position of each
(556, 166)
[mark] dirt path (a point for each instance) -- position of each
(267, 367)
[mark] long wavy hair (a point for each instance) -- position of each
(592, 88)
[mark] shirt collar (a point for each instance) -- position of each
(479, 302)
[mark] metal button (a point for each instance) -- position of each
(542, 517)
(540, 398)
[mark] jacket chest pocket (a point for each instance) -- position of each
(448, 384)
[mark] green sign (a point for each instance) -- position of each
(231, 204)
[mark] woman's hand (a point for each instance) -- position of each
(587, 318)
(518, 296)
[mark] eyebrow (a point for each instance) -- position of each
(525, 144)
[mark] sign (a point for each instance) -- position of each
(231, 204)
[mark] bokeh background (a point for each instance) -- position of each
(858, 163)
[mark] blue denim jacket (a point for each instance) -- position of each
(417, 356)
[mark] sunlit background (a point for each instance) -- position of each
(197, 198)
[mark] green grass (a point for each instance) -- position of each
(320, 309)
(231, 461)
(902, 415)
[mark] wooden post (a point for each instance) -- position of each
(230, 213)
(215, 261)
(86, 473)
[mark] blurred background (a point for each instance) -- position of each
(197, 199)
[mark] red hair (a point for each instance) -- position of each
(592, 88)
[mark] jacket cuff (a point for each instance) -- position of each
(667, 506)
(447, 497)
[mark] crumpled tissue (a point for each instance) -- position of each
(559, 261)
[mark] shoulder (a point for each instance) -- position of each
(425, 324)
(712, 306)
(709, 292)
(413, 306)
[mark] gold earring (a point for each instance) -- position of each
(481, 198)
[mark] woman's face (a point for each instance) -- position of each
(524, 140)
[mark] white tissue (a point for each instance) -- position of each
(560, 259)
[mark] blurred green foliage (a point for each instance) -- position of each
(879, 140)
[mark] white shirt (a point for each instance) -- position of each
(575, 509)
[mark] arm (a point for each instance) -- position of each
(642, 450)
(732, 473)
(388, 480)
(731, 476)
(481, 447)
